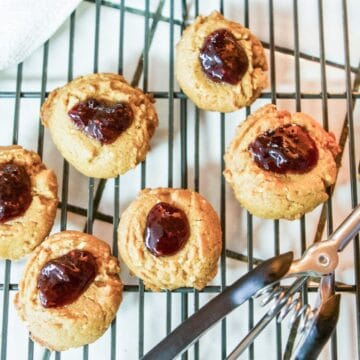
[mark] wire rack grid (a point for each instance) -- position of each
(177, 101)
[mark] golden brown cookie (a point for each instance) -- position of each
(299, 183)
(122, 122)
(197, 53)
(86, 318)
(170, 238)
(28, 201)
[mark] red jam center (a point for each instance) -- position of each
(64, 279)
(288, 148)
(222, 58)
(15, 191)
(101, 122)
(167, 230)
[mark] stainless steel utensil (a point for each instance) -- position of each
(319, 260)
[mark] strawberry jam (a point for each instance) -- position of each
(222, 58)
(100, 121)
(167, 230)
(15, 191)
(64, 279)
(288, 148)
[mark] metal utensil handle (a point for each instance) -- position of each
(317, 336)
(347, 230)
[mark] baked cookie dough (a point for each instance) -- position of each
(305, 162)
(230, 54)
(100, 124)
(85, 319)
(28, 201)
(170, 238)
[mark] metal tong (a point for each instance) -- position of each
(319, 260)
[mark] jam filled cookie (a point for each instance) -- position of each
(220, 65)
(28, 201)
(70, 291)
(100, 124)
(170, 238)
(280, 164)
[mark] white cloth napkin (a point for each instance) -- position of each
(27, 24)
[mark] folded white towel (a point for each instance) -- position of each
(27, 24)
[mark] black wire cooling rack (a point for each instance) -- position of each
(96, 189)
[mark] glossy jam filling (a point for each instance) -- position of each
(64, 279)
(15, 191)
(100, 121)
(222, 58)
(288, 148)
(167, 230)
